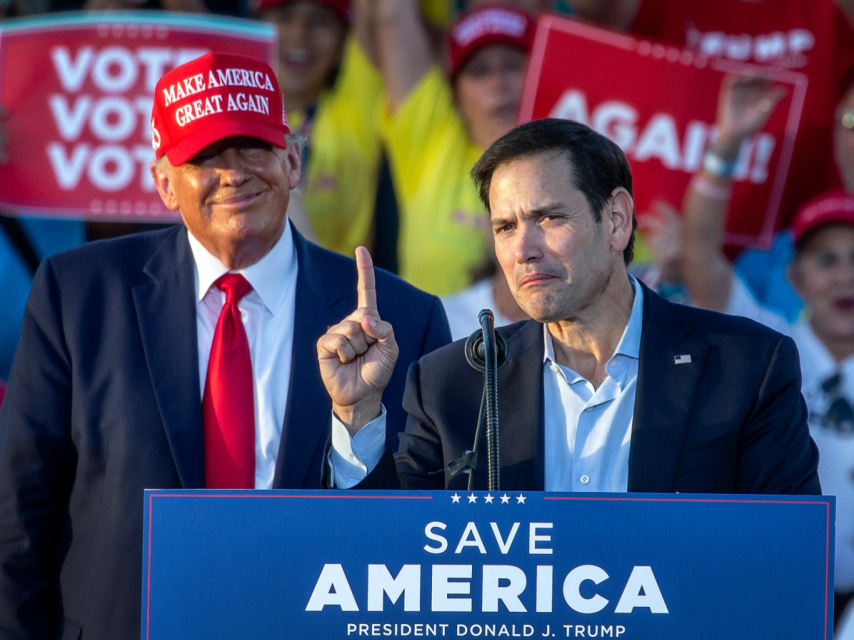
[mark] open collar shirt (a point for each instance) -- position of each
(588, 431)
(268, 313)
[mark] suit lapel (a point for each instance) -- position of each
(520, 412)
(665, 395)
(319, 305)
(166, 311)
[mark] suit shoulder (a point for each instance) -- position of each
(713, 322)
(132, 250)
(730, 336)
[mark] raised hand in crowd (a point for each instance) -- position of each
(404, 50)
(744, 106)
(364, 28)
(357, 355)
(662, 228)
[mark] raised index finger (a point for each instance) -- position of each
(366, 287)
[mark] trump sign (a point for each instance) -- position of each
(659, 103)
(78, 92)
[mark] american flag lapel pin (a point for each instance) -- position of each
(683, 359)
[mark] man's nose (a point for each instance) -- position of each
(528, 244)
(231, 167)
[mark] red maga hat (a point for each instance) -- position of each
(833, 207)
(340, 7)
(488, 24)
(214, 97)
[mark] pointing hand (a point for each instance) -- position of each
(358, 354)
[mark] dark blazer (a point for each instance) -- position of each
(104, 401)
(731, 421)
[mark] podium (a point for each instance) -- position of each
(334, 565)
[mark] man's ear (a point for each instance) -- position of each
(161, 174)
(622, 208)
(293, 164)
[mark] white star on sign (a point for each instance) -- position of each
(520, 499)
(455, 498)
(505, 499)
(488, 499)
(472, 498)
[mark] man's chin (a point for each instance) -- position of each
(539, 304)
(541, 313)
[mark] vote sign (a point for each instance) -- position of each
(78, 89)
(658, 103)
(336, 565)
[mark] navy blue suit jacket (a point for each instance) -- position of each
(733, 420)
(104, 401)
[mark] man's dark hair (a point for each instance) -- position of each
(596, 165)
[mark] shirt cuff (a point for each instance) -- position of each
(352, 458)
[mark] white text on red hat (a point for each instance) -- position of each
(216, 78)
(489, 22)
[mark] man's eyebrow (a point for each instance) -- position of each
(545, 210)
(534, 213)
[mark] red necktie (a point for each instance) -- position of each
(228, 405)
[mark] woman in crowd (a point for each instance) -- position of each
(332, 93)
(822, 273)
(436, 124)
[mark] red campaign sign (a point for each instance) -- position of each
(78, 89)
(659, 103)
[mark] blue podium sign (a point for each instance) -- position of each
(337, 565)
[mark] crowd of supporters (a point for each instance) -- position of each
(397, 99)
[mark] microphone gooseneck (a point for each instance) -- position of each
(485, 350)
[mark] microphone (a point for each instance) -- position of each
(476, 350)
(485, 350)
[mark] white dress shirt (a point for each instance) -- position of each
(268, 317)
(587, 432)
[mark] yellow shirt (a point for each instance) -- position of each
(442, 220)
(344, 154)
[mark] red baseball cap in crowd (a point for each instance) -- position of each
(340, 7)
(836, 206)
(488, 24)
(214, 97)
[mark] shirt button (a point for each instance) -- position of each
(555, 368)
(589, 409)
(584, 479)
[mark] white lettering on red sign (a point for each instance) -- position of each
(107, 93)
(781, 48)
(659, 138)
